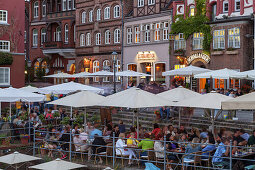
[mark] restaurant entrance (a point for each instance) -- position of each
(201, 83)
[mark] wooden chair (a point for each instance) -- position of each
(150, 155)
(104, 154)
(209, 159)
(196, 161)
(122, 156)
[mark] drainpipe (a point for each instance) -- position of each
(254, 47)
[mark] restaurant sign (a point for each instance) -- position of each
(146, 55)
(202, 56)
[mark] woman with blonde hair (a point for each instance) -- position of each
(191, 149)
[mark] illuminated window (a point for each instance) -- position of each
(234, 38)
(157, 32)
(192, 11)
(129, 35)
(177, 66)
(147, 33)
(198, 41)
(219, 39)
(166, 31)
(106, 66)
(179, 42)
(137, 35)
(96, 69)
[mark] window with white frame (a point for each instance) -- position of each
(117, 36)
(219, 39)
(3, 16)
(166, 31)
(117, 67)
(198, 41)
(88, 39)
(95, 69)
(107, 13)
(58, 34)
(116, 11)
(179, 42)
(225, 6)
(234, 38)
(64, 4)
(44, 8)
(237, 5)
(73, 4)
(157, 32)
(66, 33)
(4, 75)
(82, 40)
(25, 37)
(106, 65)
(69, 4)
(129, 35)
(98, 38)
(107, 37)
(98, 14)
(140, 3)
(36, 9)
(192, 11)
(91, 16)
(43, 35)
(83, 17)
(4, 46)
(137, 34)
(147, 33)
(35, 38)
(151, 2)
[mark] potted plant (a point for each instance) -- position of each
(24, 138)
(5, 140)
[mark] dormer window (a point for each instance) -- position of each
(140, 3)
(237, 5)
(225, 6)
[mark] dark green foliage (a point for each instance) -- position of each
(6, 58)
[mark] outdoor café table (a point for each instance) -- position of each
(178, 153)
(239, 163)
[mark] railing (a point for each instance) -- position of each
(53, 44)
(61, 14)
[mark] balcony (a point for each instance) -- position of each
(53, 47)
(60, 15)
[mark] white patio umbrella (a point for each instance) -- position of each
(80, 99)
(250, 75)
(30, 89)
(177, 95)
(134, 98)
(58, 164)
(102, 73)
(130, 73)
(16, 158)
(59, 75)
(81, 75)
(186, 71)
(246, 101)
(217, 74)
(69, 87)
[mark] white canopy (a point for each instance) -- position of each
(207, 101)
(69, 87)
(59, 75)
(102, 73)
(243, 102)
(185, 71)
(58, 164)
(130, 73)
(178, 94)
(134, 98)
(11, 95)
(80, 99)
(245, 75)
(81, 75)
(16, 158)
(29, 89)
(218, 74)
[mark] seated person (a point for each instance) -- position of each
(163, 111)
(182, 130)
(131, 142)
(98, 142)
(107, 133)
(191, 149)
(159, 146)
(156, 131)
(222, 151)
(49, 141)
(251, 140)
(238, 140)
(146, 144)
(64, 141)
(244, 135)
(122, 127)
(182, 141)
(209, 147)
(116, 130)
(94, 132)
(171, 146)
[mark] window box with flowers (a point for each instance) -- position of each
(180, 52)
(179, 81)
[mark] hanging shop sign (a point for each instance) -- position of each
(195, 56)
(146, 55)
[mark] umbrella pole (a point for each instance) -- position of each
(190, 82)
(10, 111)
(29, 126)
(85, 120)
(0, 109)
(179, 117)
(137, 121)
(71, 112)
(133, 118)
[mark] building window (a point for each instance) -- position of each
(140, 3)
(192, 11)
(91, 16)
(3, 16)
(237, 5)
(66, 33)
(198, 41)
(117, 36)
(179, 42)
(82, 40)
(107, 13)
(83, 17)
(95, 69)
(106, 66)
(36, 8)
(44, 8)
(107, 37)
(88, 39)
(58, 34)
(35, 38)
(25, 37)
(151, 2)
(234, 38)
(166, 31)
(69, 4)
(157, 32)
(43, 35)
(129, 35)
(98, 14)
(137, 35)
(98, 38)
(147, 33)
(117, 67)
(73, 4)
(219, 39)
(4, 46)
(116, 11)
(64, 5)
(4, 76)
(225, 6)
(74, 33)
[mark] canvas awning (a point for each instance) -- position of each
(59, 75)
(16, 158)
(30, 89)
(246, 102)
(186, 71)
(130, 73)
(217, 74)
